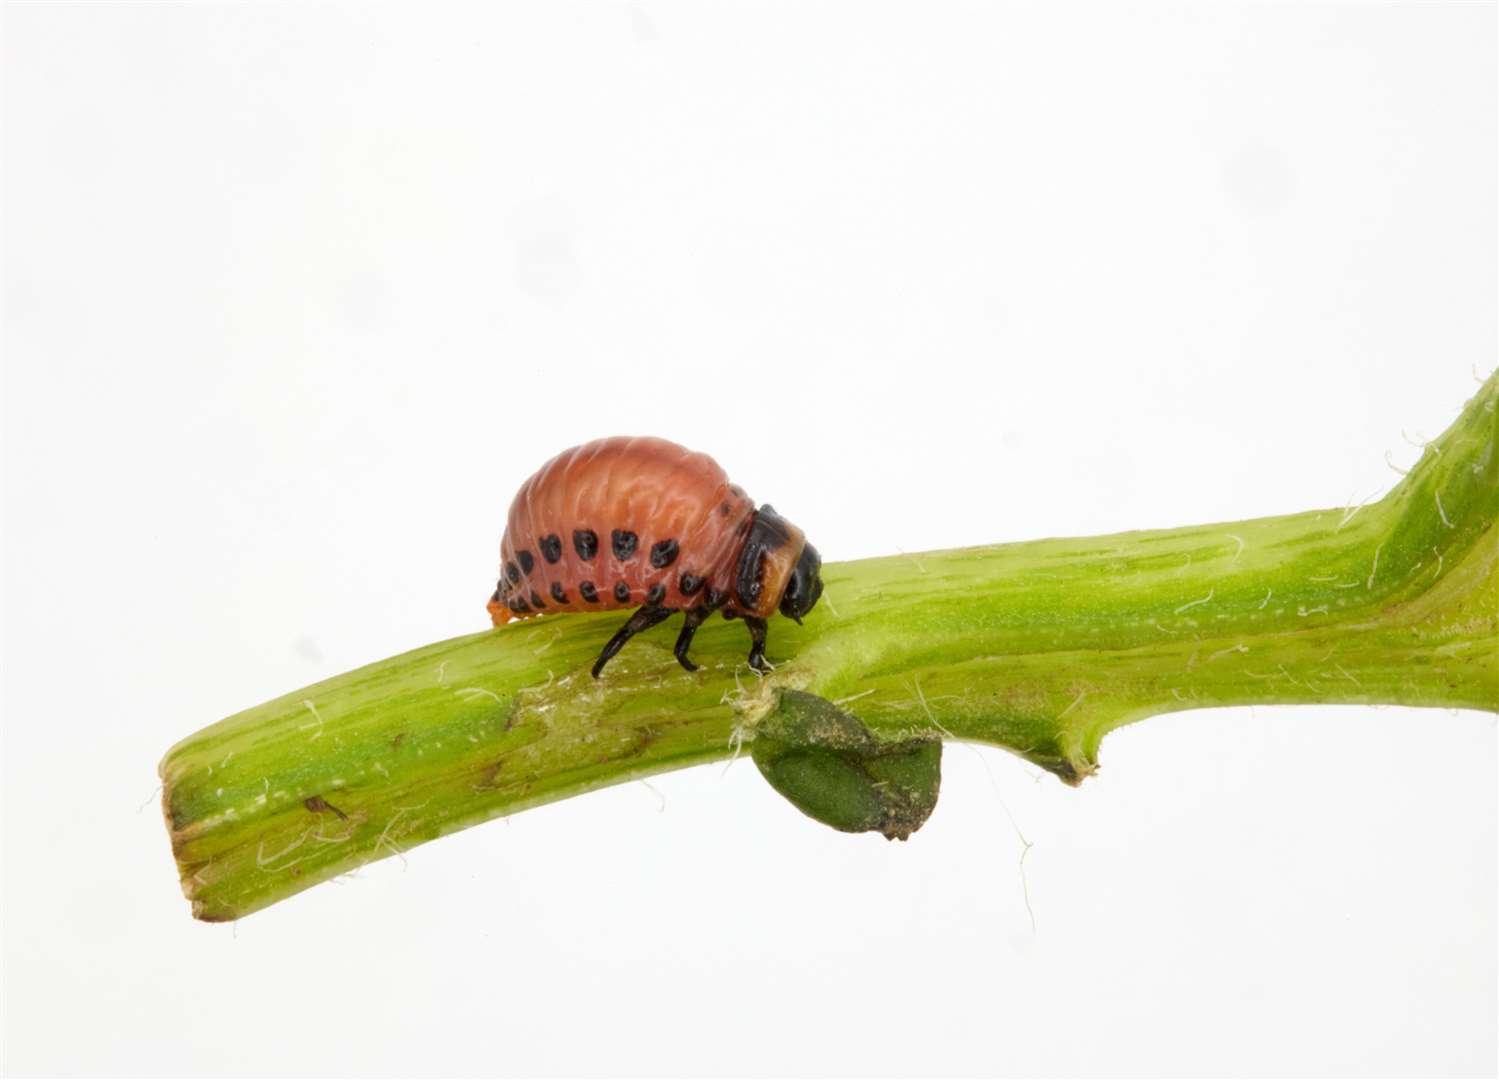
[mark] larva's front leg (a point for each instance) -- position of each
(756, 628)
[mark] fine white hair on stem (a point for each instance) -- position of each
(471, 692)
(656, 792)
(1025, 844)
(921, 697)
(1194, 603)
(317, 722)
(386, 840)
(736, 744)
(263, 860)
(1350, 511)
(1419, 443)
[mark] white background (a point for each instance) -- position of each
(297, 295)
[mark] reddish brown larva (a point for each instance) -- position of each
(622, 522)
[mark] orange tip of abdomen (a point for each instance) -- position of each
(499, 614)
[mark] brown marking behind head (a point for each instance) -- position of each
(776, 570)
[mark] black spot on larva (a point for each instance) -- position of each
(551, 547)
(536, 600)
(519, 606)
(723, 511)
(715, 598)
(512, 572)
(586, 544)
(588, 592)
(558, 593)
(656, 595)
(689, 584)
(663, 553)
(624, 543)
(527, 560)
(621, 591)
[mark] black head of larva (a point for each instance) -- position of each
(804, 586)
(801, 583)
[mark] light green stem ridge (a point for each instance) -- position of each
(1039, 647)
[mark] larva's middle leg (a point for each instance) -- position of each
(690, 622)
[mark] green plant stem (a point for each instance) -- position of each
(1040, 647)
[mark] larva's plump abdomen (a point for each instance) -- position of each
(616, 523)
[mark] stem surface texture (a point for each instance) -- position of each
(1040, 647)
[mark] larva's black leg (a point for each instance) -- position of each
(693, 619)
(643, 619)
(757, 643)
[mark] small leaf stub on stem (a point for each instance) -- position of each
(831, 767)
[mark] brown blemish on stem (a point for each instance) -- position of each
(317, 804)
